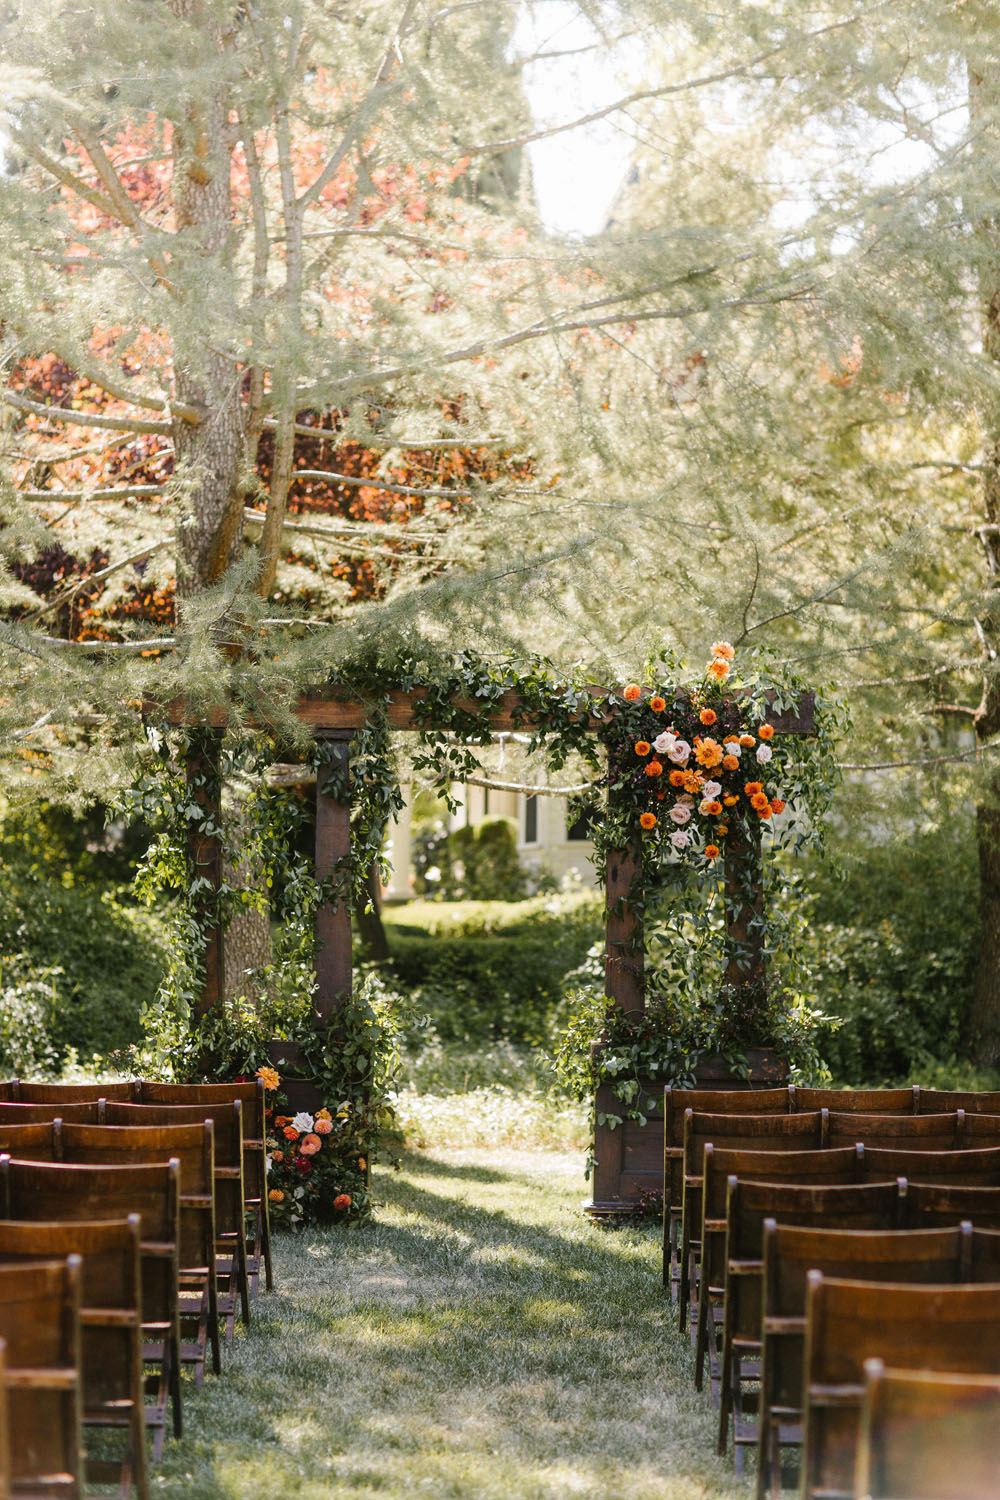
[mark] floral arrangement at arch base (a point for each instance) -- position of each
(317, 1166)
(698, 765)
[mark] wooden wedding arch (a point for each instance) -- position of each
(626, 1162)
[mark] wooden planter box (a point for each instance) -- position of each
(630, 1157)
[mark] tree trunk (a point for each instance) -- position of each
(210, 456)
(985, 1016)
(247, 939)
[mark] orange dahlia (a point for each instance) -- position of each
(647, 820)
(759, 801)
(753, 787)
(766, 731)
(711, 851)
(642, 747)
(708, 716)
(730, 762)
(746, 740)
(632, 692)
(657, 704)
(718, 668)
(654, 768)
(777, 806)
(764, 812)
(723, 649)
(677, 778)
(732, 799)
(709, 754)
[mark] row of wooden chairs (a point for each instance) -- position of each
(126, 1197)
(754, 1290)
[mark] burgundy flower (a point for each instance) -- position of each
(303, 1165)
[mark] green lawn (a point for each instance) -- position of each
(481, 1340)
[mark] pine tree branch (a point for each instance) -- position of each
(302, 429)
(436, 492)
(124, 209)
(360, 121)
(126, 492)
(151, 643)
(82, 418)
(69, 179)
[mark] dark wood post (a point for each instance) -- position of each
(202, 771)
(333, 844)
(746, 965)
(623, 954)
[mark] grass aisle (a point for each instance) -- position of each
(481, 1341)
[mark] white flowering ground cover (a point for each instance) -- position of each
(480, 1341)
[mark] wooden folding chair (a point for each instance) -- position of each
(938, 1132)
(49, 1192)
(858, 1101)
(928, 1436)
(251, 1096)
(230, 1201)
(70, 1093)
(707, 1101)
(111, 1326)
(192, 1146)
(974, 1168)
(954, 1329)
(932, 1204)
(779, 1133)
(981, 1129)
(5, 1478)
(719, 1166)
(873, 1205)
(27, 1142)
(972, 1101)
(40, 1325)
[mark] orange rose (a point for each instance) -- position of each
(310, 1144)
(777, 806)
(657, 704)
(766, 731)
(718, 668)
(730, 762)
(676, 778)
(276, 1196)
(660, 796)
(732, 799)
(708, 716)
(647, 820)
(731, 739)
(642, 747)
(759, 801)
(278, 1157)
(764, 812)
(746, 740)
(323, 1125)
(709, 754)
(753, 787)
(362, 1164)
(342, 1201)
(711, 851)
(632, 692)
(654, 768)
(291, 1134)
(723, 649)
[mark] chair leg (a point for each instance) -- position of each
(701, 1337)
(725, 1391)
(763, 1450)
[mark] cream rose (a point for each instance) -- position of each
(680, 814)
(680, 839)
(764, 753)
(679, 752)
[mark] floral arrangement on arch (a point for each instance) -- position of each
(317, 1168)
(699, 762)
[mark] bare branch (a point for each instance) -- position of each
(124, 209)
(302, 429)
(98, 577)
(82, 418)
(931, 760)
(127, 492)
(432, 491)
(99, 648)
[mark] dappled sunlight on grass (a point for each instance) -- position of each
(491, 1116)
(482, 1339)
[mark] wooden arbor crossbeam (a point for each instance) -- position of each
(336, 715)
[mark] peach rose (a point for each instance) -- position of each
(323, 1125)
(632, 692)
(276, 1196)
(310, 1144)
(723, 649)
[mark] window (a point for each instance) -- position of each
(531, 820)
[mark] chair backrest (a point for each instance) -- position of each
(973, 1102)
(849, 1205)
(927, 1435)
(40, 1325)
(954, 1329)
(930, 1203)
(858, 1101)
(803, 1132)
(981, 1129)
(250, 1095)
(976, 1168)
(28, 1142)
(124, 1145)
(942, 1132)
(44, 1114)
(110, 1282)
(72, 1093)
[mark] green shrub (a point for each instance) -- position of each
(492, 970)
(484, 865)
(97, 959)
(892, 946)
